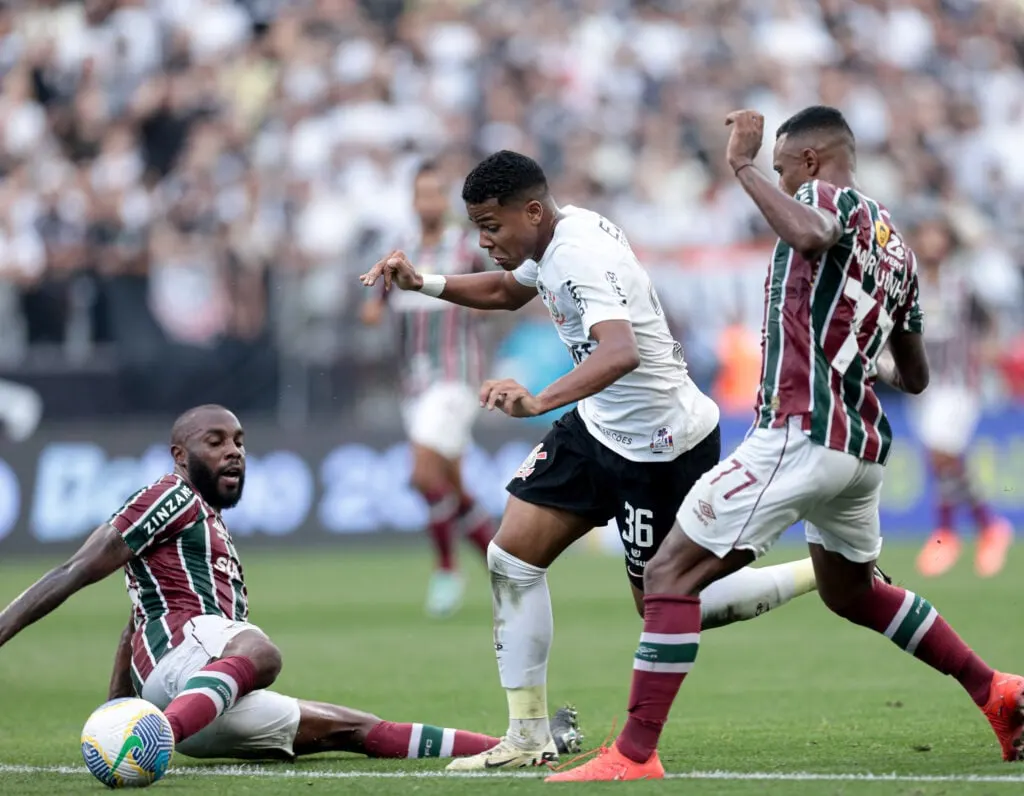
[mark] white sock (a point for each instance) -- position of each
(752, 591)
(522, 641)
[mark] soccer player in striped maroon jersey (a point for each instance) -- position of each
(945, 416)
(189, 647)
(842, 285)
(441, 363)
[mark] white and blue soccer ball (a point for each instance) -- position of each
(127, 743)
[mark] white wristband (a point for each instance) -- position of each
(433, 285)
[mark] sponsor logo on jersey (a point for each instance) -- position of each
(613, 280)
(661, 440)
(526, 469)
(577, 297)
(228, 566)
(615, 436)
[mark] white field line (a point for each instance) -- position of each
(298, 773)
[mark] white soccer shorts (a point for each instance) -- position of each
(441, 418)
(776, 478)
(944, 418)
(262, 724)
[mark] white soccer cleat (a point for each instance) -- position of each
(444, 595)
(506, 756)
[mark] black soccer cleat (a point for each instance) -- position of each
(565, 729)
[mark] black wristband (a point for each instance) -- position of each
(736, 172)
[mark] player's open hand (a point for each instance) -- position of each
(510, 397)
(744, 139)
(394, 269)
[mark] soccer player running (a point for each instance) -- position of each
(189, 648)
(842, 283)
(442, 364)
(641, 436)
(944, 418)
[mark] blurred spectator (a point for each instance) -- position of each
(201, 179)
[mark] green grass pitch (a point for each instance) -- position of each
(793, 693)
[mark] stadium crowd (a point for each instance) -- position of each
(197, 182)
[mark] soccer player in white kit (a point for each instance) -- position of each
(442, 363)
(944, 417)
(643, 433)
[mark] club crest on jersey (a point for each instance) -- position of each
(552, 304)
(526, 469)
(661, 440)
(882, 233)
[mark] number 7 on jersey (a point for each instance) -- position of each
(739, 479)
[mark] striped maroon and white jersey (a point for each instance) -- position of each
(952, 334)
(826, 320)
(440, 340)
(185, 565)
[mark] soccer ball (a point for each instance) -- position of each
(127, 743)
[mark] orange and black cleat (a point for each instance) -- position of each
(1005, 712)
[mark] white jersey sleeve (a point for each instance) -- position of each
(526, 274)
(594, 284)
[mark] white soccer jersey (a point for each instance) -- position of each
(589, 274)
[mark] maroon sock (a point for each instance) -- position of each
(208, 693)
(475, 523)
(443, 505)
(390, 739)
(667, 650)
(910, 622)
(944, 516)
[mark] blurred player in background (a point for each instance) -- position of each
(841, 285)
(189, 647)
(640, 437)
(21, 409)
(944, 418)
(442, 363)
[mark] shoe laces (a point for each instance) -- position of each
(599, 751)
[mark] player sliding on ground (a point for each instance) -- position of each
(842, 283)
(642, 435)
(190, 649)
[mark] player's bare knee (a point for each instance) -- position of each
(263, 653)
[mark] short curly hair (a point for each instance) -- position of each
(505, 176)
(816, 118)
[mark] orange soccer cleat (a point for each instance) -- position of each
(1005, 712)
(610, 765)
(993, 543)
(939, 553)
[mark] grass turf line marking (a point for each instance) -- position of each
(770, 776)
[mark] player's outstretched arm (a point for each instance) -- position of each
(121, 677)
(103, 553)
(904, 366)
(490, 290)
(615, 355)
(807, 229)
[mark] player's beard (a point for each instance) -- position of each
(207, 484)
